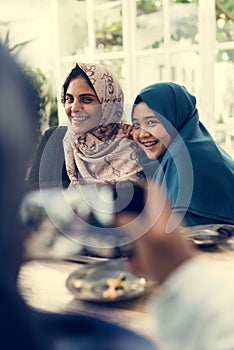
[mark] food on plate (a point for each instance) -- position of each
(113, 285)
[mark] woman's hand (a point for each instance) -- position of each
(127, 129)
(161, 248)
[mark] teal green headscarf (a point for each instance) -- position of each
(196, 173)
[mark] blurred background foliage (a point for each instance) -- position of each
(110, 35)
(47, 111)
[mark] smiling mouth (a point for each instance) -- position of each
(79, 119)
(149, 144)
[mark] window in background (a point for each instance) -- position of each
(223, 74)
(144, 41)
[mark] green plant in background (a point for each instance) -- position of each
(147, 6)
(46, 103)
(109, 35)
(225, 27)
(16, 47)
(187, 27)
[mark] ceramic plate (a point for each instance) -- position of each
(107, 281)
(209, 235)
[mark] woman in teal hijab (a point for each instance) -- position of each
(179, 154)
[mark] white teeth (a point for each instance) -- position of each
(79, 119)
(148, 144)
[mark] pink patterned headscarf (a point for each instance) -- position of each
(103, 154)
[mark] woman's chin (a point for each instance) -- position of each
(151, 154)
(155, 152)
(79, 129)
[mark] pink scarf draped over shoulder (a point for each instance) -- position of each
(103, 154)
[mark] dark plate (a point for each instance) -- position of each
(90, 282)
(209, 235)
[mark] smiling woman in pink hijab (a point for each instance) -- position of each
(93, 147)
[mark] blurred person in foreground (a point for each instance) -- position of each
(193, 308)
(17, 122)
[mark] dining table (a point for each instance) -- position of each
(43, 285)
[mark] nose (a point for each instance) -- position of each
(76, 106)
(142, 132)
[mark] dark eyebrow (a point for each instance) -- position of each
(82, 95)
(147, 117)
(151, 116)
(88, 94)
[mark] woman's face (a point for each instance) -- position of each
(82, 106)
(148, 132)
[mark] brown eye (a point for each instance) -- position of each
(68, 99)
(153, 122)
(86, 100)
